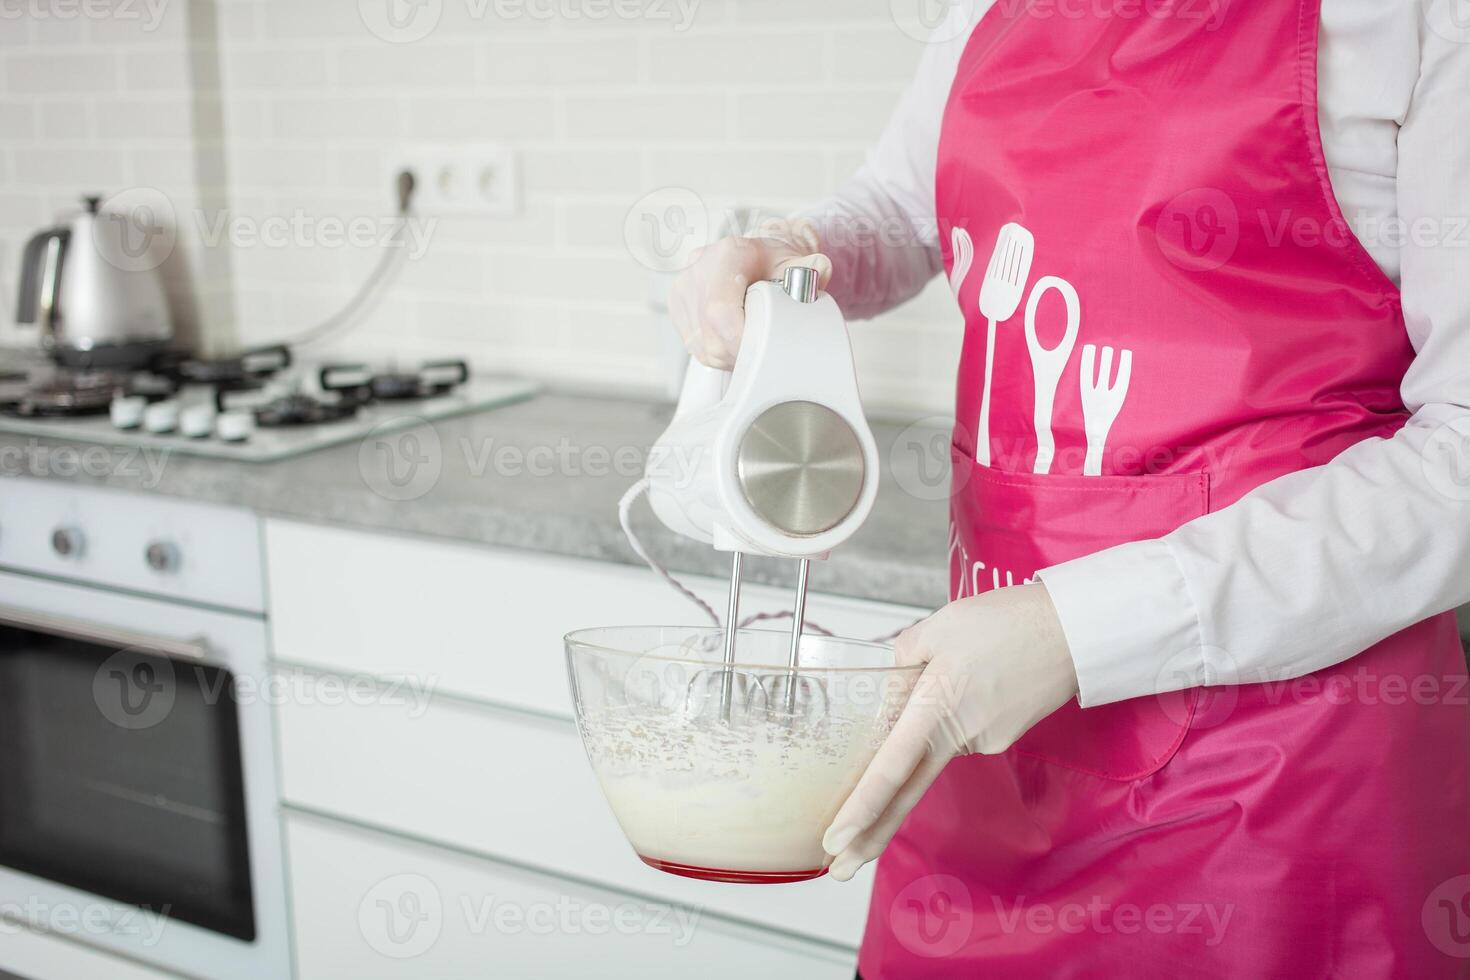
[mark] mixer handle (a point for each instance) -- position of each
(704, 386)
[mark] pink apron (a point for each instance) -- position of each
(1200, 322)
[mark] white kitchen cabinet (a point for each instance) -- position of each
(41, 956)
(509, 785)
(481, 622)
(368, 906)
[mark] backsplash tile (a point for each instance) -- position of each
(314, 105)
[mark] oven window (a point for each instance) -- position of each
(120, 775)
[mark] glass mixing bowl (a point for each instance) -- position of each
(730, 775)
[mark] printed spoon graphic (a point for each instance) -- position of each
(1047, 365)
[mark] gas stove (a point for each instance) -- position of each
(258, 407)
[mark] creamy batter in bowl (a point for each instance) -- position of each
(742, 798)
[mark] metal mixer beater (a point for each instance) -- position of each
(774, 458)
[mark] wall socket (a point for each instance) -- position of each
(459, 179)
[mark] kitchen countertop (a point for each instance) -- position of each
(543, 475)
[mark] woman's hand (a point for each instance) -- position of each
(996, 664)
(707, 300)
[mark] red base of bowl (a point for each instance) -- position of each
(737, 877)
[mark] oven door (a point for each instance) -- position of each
(138, 800)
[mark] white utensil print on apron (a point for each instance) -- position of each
(964, 255)
(1048, 365)
(1000, 297)
(1101, 401)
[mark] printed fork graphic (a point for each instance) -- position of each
(1101, 401)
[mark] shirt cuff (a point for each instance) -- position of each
(1129, 621)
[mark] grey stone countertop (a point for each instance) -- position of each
(546, 475)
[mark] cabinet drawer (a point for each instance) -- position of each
(370, 906)
(481, 622)
(513, 786)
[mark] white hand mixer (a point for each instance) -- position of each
(774, 458)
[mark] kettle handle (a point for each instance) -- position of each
(40, 278)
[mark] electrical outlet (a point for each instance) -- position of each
(470, 179)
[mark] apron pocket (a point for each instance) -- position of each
(1007, 526)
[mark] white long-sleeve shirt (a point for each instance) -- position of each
(1313, 568)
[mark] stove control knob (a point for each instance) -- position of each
(68, 542)
(162, 556)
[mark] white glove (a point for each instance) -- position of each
(996, 665)
(707, 300)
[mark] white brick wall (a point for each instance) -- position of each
(100, 97)
(600, 113)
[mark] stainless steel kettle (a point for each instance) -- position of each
(94, 289)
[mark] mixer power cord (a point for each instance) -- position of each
(625, 519)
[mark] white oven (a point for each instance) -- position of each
(139, 810)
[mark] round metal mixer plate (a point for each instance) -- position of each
(801, 467)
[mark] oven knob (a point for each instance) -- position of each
(162, 556)
(67, 542)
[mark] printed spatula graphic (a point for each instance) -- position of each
(1000, 298)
